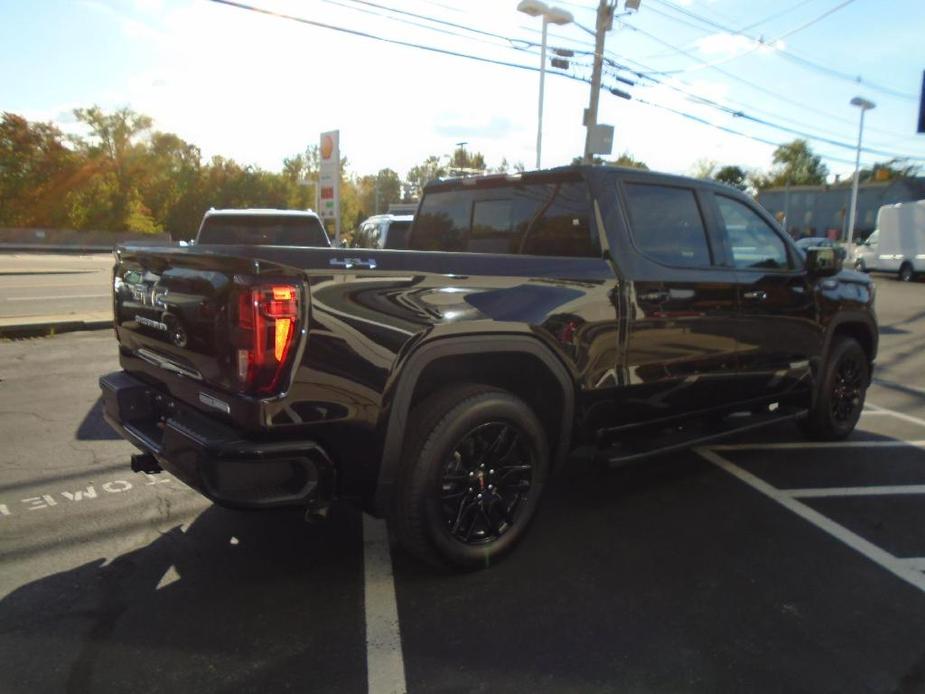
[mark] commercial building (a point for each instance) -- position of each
(823, 210)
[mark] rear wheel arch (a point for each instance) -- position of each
(519, 364)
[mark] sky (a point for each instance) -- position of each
(259, 88)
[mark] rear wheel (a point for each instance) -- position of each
(475, 465)
(906, 272)
(842, 388)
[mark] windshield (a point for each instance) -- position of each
(265, 230)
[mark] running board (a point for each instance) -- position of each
(660, 442)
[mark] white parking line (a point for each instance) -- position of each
(895, 565)
(819, 492)
(385, 666)
(917, 563)
(799, 445)
(898, 415)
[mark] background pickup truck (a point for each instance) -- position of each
(441, 386)
(266, 227)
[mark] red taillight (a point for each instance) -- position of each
(268, 318)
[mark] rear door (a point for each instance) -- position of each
(778, 331)
(680, 351)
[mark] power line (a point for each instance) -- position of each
(738, 113)
(434, 49)
(748, 83)
(374, 37)
(732, 131)
(507, 41)
(777, 15)
(783, 52)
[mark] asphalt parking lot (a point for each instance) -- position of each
(760, 564)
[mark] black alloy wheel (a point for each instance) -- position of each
(485, 483)
(847, 388)
(473, 469)
(840, 392)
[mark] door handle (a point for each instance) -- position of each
(756, 295)
(656, 296)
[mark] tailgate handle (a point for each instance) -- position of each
(757, 295)
(349, 263)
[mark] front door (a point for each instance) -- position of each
(778, 332)
(679, 356)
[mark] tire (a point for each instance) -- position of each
(859, 266)
(906, 273)
(460, 502)
(841, 393)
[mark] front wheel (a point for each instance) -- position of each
(473, 470)
(840, 396)
(906, 273)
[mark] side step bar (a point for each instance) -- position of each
(660, 442)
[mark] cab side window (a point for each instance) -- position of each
(667, 224)
(754, 244)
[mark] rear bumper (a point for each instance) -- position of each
(212, 457)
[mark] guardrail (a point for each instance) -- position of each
(73, 241)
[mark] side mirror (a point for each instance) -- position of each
(822, 261)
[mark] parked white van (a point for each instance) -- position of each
(897, 244)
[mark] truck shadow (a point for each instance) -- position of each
(237, 601)
(93, 427)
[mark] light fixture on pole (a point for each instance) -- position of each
(865, 106)
(550, 15)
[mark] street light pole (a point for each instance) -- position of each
(550, 15)
(864, 105)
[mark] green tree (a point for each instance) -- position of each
(626, 160)
(890, 170)
(465, 162)
(795, 163)
(426, 171)
(377, 192)
(704, 168)
(629, 161)
(732, 175)
(116, 153)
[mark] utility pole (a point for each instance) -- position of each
(539, 118)
(603, 25)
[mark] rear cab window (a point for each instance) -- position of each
(267, 230)
(548, 215)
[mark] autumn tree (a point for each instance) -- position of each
(36, 171)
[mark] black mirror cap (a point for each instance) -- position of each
(823, 261)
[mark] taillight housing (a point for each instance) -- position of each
(268, 328)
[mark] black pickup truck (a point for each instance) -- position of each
(616, 312)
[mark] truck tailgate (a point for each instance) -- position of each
(230, 323)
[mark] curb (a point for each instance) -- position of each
(53, 327)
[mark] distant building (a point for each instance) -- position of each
(823, 210)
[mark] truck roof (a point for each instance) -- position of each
(588, 170)
(261, 211)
